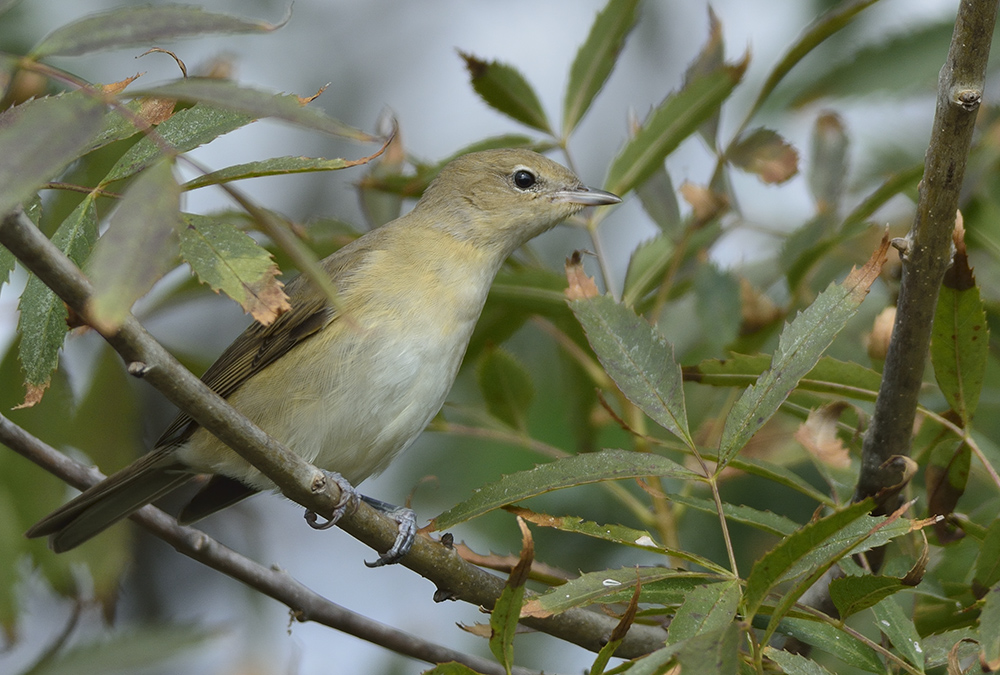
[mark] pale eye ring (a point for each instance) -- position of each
(524, 179)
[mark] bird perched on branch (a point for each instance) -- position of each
(349, 388)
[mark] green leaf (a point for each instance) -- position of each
(988, 561)
(506, 386)
(256, 103)
(562, 473)
(852, 594)
(765, 153)
(184, 130)
(777, 562)
(618, 534)
(39, 138)
(277, 166)
(828, 168)
(720, 310)
(231, 262)
(596, 587)
(659, 201)
(898, 627)
(946, 476)
(504, 89)
(829, 376)
(507, 609)
(43, 315)
(596, 58)
(800, 347)
(710, 58)
(676, 118)
(139, 246)
(638, 359)
(706, 609)
(834, 641)
(765, 521)
(794, 664)
(989, 630)
(712, 653)
(897, 183)
(960, 338)
(7, 262)
(818, 31)
(646, 267)
(140, 27)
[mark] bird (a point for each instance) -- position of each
(350, 387)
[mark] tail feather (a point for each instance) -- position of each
(111, 500)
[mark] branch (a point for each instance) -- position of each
(928, 249)
(297, 479)
(304, 603)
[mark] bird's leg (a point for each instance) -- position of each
(348, 500)
(406, 521)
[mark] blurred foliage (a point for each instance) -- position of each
(732, 448)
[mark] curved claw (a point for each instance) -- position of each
(348, 499)
(406, 521)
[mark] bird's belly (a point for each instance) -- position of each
(363, 401)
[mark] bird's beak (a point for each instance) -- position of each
(586, 196)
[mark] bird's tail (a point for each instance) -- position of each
(104, 504)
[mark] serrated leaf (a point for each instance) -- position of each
(898, 627)
(989, 631)
(618, 534)
(140, 27)
(562, 473)
(829, 376)
(960, 337)
(507, 610)
(504, 89)
(593, 586)
(596, 58)
(705, 609)
(676, 118)
(711, 57)
(777, 562)
(506, 387)
(713, 653)
(7, 261)
(277, 166)
(39, 138)
(139, 246)
(765, 153)
(988, 561)
(185, 130)
(815, 34)
(638, 359)
(828, 168)
(659, 200)
(766, 521)
(800, 347)
(794, 664)
(834, 641)
(720, 309)
(255, 103)
(852, 594)
(231, 262)
(43, 315)
(946, 476)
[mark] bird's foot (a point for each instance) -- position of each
(349, 498)
(406, 521)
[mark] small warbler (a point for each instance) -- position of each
(350, 395)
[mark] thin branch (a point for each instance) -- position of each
(305, 604)
(928, 253)
(297, 479)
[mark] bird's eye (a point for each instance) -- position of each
(524, 179)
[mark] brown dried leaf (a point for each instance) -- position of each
(304, 100)
(756, 309)
(705, 203)
(482, 630)
(877, 342)
(959, 276)
(818, 435)
(32, 394)
(580, 285)
(519, 574)
(861, 278)
(156, 110)
(266, 299)
(765, 153)
(119, 87)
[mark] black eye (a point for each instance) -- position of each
(524, 179)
